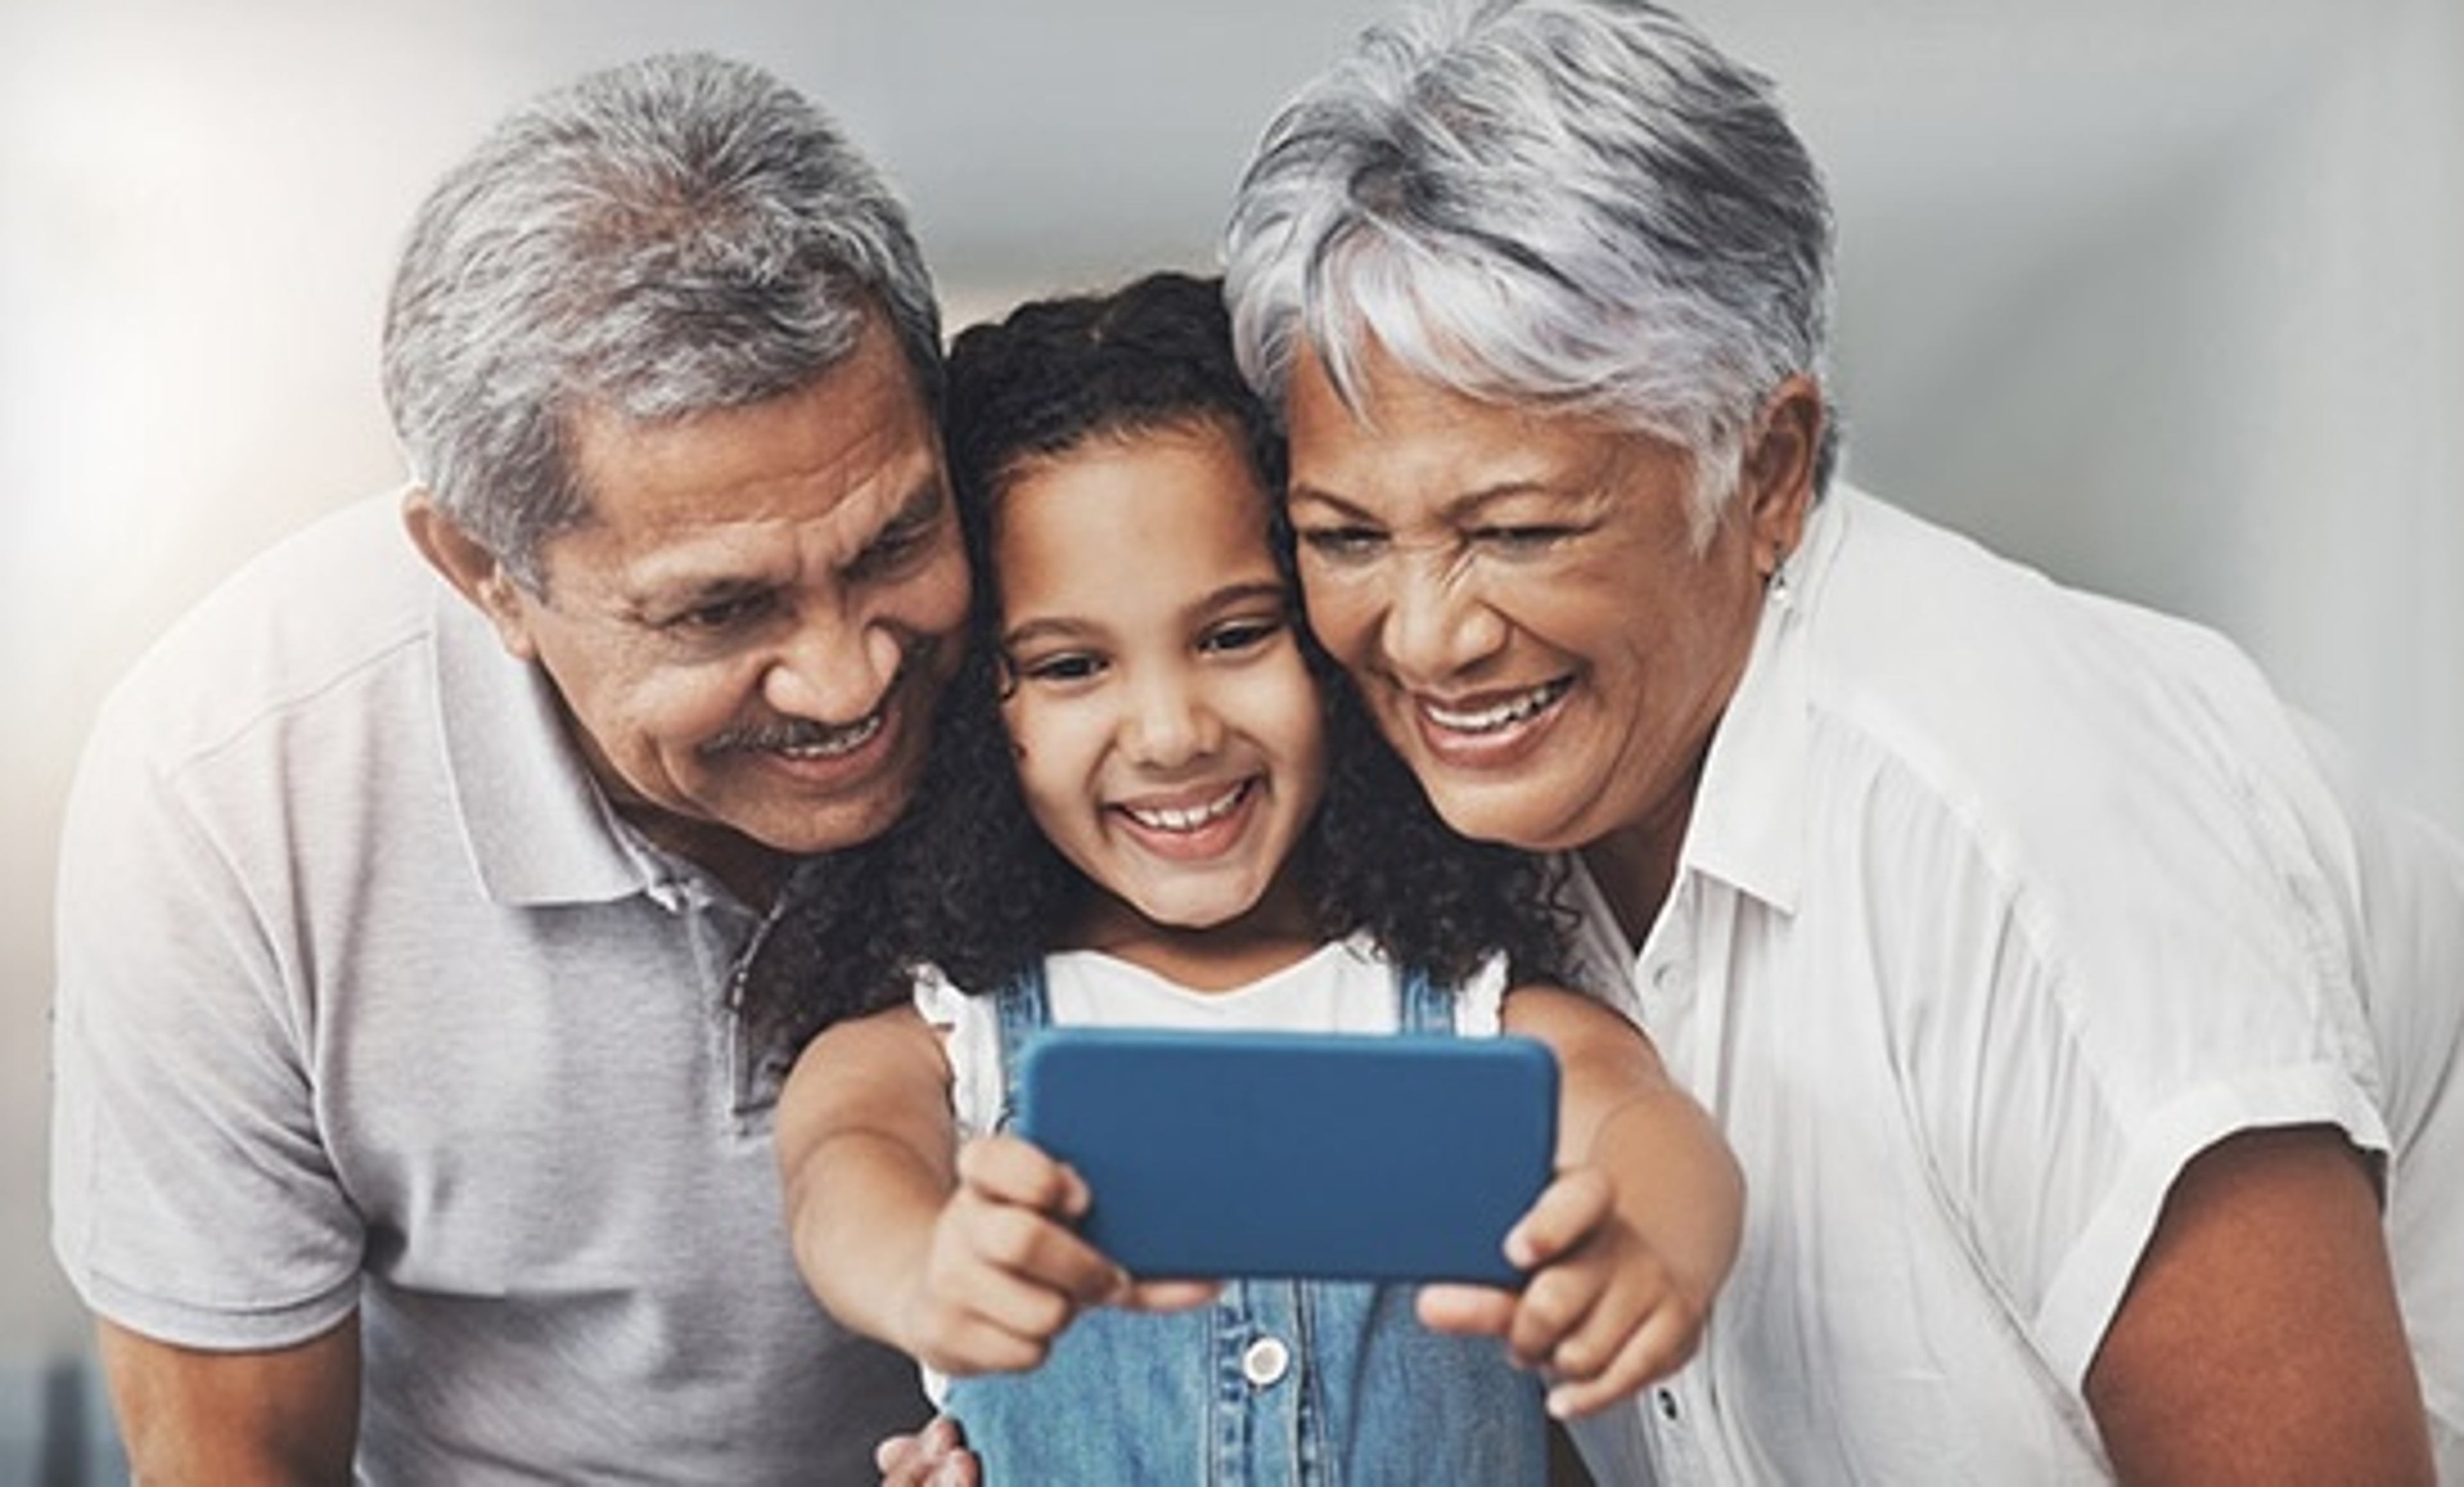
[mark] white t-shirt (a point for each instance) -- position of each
(1998, 904)
(367, 1003)
(1346, 986)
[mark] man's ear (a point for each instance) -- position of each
(477, 573)
(1780, 468)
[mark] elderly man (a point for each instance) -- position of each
(403, 1124)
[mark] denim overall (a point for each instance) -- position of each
(1274, 1382)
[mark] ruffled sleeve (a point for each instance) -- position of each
(1479, 1001)
(970, 1031)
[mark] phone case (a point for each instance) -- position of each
(1296, 1155)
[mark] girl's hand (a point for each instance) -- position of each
(1601, 1315)
(1006, 1271)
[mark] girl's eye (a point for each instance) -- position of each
(1067, 666)
(1234, 635)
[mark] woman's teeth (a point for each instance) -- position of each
(1503, 715)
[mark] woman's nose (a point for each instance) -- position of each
(1436, 624)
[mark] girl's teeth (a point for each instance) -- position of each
(1170, 818)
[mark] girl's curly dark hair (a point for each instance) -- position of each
(964, 879)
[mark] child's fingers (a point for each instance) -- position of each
(1579, 1202)
(1634, 1326)
(978, 1343)
(977, 1316)
(1003, 1283)
(1168, 1295)
(1031, 1248)
(1651, 1351)
(1025, 1202)
(1550, 1311)
(1008, 1170)
(1465, 1310)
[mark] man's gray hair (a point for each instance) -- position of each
(667, 237)
(1579, 205)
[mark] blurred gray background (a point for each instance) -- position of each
(2166, 299)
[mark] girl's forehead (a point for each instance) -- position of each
(1133, 524)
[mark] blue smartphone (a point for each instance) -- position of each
(1320, 1156)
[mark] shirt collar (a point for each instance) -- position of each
(537, 828)
(1749, 820)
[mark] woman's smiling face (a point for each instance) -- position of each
(1525, 601)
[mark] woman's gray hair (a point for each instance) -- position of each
(1575, 203)
(675, 236)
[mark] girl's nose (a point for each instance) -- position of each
(1168, 722)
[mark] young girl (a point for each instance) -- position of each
(1153, 802)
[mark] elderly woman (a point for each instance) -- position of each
(2087, 1042)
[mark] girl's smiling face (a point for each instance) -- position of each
(1170, 737)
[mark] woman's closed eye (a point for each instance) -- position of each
(1341, 544)
(1525, 538)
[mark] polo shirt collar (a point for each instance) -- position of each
(1749, 820)
(537, 828)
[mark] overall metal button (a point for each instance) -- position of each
(1266, 1360)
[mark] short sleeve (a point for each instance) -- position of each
(2121, 1016)
(193, 1197)
(970, 1029)
(1480, 1002)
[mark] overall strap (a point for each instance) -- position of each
(1020, 1008)
(1422, 1008)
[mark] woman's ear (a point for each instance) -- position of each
(1780, 468)
(476, 573)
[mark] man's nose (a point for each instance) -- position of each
(831, 669)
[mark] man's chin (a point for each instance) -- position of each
(801, 825)
(835, 828)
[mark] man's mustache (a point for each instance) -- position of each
(806, 735)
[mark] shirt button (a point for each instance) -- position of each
(1264, 1362)
(1667, 1405)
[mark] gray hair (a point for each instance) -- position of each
(1578, 204)
(671, 237)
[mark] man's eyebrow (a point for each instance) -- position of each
(925, 502)
(657, 604)
(721, 586)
